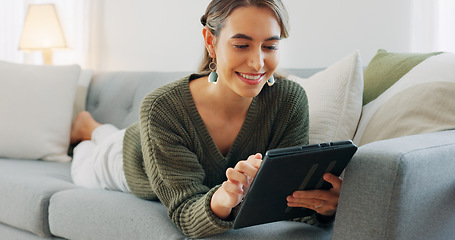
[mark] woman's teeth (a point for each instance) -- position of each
(251, 77)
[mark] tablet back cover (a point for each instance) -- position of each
(286, 170)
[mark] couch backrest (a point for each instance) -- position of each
(115, 97)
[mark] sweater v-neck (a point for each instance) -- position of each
(202, 128)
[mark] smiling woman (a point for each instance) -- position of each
(199, 145)
(248, 52)
(218, 11)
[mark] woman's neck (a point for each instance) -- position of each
(228, 102)
(221, 99)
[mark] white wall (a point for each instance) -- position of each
(154, 35)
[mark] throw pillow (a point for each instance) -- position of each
(334, 99)
(386, 68)
(36, 106)
(420, 101)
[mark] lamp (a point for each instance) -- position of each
(42, 31)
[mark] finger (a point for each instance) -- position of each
(232, 187)
(246, 168)
(255, 160)
(313, 194)
(318, 205)
(255, 156)
(334, 180)
(313, 204)
(300, 205)
(304, 201)
(235, 175)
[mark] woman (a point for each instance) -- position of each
(192, 147)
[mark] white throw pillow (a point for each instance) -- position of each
(36, 106)
(335, 100)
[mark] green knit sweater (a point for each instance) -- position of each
(169, 154)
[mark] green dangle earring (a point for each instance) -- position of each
(271, 81)
(213, 76)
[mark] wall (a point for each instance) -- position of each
(152, 35)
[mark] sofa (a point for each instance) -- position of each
(395, 187)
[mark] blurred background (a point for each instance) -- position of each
(152, 35)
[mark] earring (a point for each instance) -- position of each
(271, 81)
(213, 76)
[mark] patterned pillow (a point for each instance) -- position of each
(407, 94)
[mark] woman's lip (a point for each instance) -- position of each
(257, 78)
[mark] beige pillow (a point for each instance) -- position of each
(36, 106)
(335, 100)
(421, 101)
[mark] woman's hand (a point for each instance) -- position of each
(232, 191)
(324, 202)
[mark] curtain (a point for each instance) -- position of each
(446, 40)
(11, 22)
(433, 26)
(75, 17)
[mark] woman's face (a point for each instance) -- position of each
(247, 50)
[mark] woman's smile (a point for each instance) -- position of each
(250, 78)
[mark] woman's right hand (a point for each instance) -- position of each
(232, 191)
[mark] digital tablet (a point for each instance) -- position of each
(286, 170)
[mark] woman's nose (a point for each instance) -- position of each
(256, 60)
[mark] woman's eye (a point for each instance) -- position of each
(271, 47)
(240, 46)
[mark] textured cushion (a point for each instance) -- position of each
(334, 99)
(115, 97)
(400, 188)
(10, 233)
(36, 105)
(26, 187)
(124, 216)
(117, 216)
(386, 68)
(421, 101)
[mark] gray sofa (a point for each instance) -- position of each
(402, 188)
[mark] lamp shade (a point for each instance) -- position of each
(42, 29)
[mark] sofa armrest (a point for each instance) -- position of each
(401, 188)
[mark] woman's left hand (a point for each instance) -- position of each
(324, 202)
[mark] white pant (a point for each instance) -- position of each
(99, 163)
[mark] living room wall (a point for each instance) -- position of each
(144, 35)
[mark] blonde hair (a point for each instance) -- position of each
(218, 10)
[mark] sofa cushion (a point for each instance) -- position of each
(36, 106)
(104, 214)
(115, 215)
(115, 97)
(334, 99)
(11, 233)
(27, 186)
(421, 101)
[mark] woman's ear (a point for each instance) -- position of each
(209, 40)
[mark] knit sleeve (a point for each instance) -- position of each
(174, 172)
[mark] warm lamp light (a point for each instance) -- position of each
(42, 31)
